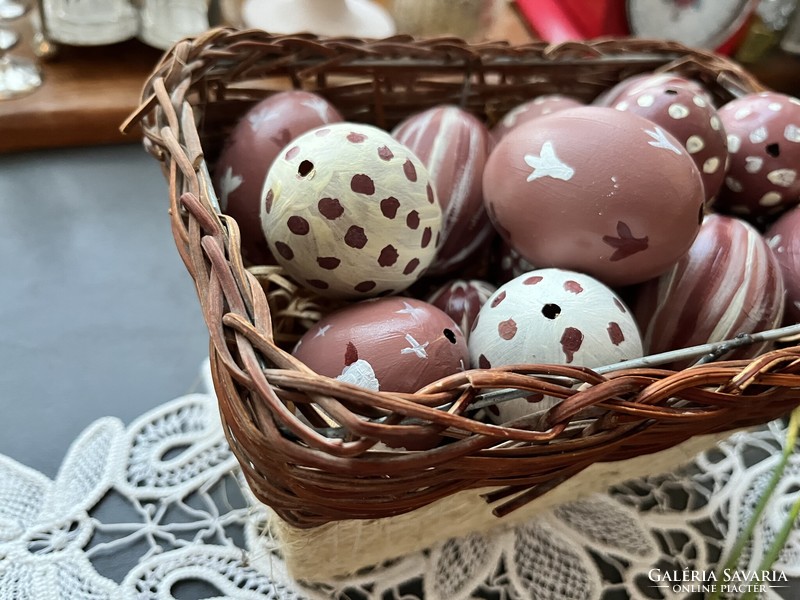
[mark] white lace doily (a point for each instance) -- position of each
(161, 502)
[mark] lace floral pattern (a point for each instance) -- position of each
(166, 494)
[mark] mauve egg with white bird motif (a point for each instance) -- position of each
(454, 146)
(595, 190)
(764, 147)
(393, 344)
(551, 316)
(729, 283)
(249, 151)
(350, 212)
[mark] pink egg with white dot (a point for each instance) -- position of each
(349, 212)
(633, 86)
(692, 120)
(551, 316)
(764, 146)
(783, 237)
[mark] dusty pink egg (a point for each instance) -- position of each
(595, 190)
(393, 344)
(784, 239)
(635, 84)
(462, 300)
(454, 146)
(728, 283)
(691, 119)
(249, 151)
(551, 316)
(387, 344)
(350, 212)
(764, 146)
(527, 111)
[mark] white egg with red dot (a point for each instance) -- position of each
(350, 212)
(551, 316)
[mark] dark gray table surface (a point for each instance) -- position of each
(98, 316)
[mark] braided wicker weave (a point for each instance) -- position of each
(316, 475)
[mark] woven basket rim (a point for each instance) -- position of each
(290, 464)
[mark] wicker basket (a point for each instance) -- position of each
(336, 496)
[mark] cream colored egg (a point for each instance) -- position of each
(350, 212)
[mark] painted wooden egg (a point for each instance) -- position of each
(509, 263)
(728, 283)
(527, 111)
(633, 86)
(462, 300)
(784, 239)
(249, 151)
(595, 190)
(393, 344)
(348, 211)
(764, 145)
(551, 316)
(691, 119)
(454, 146)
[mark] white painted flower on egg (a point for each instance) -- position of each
(552, 316)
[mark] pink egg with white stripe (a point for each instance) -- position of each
(551, 316)
(462, 299)
(727, 284)
(454, 146)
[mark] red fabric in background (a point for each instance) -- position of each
(563, 20)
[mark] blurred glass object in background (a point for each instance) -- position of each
(90, 22)
(163, 22)
(18, 75)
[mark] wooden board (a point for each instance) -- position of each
(87, 93)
